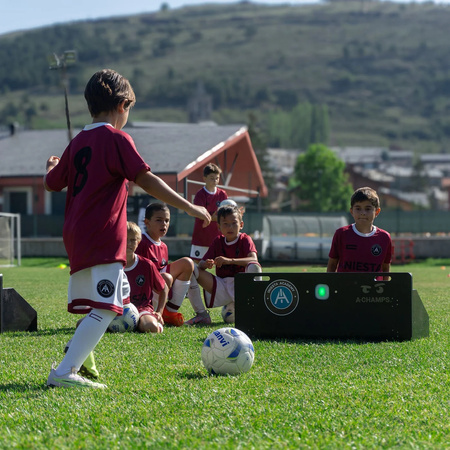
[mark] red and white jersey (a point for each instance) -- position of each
(95, 167)
(204, 236)
(358, 252)
(156, 252)
(144, 278)
(239, 248)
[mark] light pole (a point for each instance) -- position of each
(56, 62)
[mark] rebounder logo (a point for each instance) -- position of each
(281, 297)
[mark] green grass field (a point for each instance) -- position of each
(298, 394)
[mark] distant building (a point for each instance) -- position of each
(175, 152)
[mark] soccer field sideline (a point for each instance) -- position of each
(298, 394)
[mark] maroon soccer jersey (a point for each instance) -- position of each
(144, 278)
(156, 252)
(359, 252)
(239, 248)
(95, 168)
(203, 237)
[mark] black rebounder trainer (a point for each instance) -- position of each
(329, 306)
(15, 312)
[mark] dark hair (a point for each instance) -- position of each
(211, 168)
(363, 194)
(155, 207)
(106, 90)
(224, 211)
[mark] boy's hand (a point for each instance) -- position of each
(209, 263)
(159, 317)
(221, 261)
(52, 162)
(201, 213)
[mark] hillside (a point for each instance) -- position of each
(382, 68)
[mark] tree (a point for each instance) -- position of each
(320, 182)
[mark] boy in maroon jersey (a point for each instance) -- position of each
(144, 279)
(361, 247)
(230, 253)
(177, 274)
(96, 167)
(209, 196)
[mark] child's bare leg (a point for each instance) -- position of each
(201, 314)
(181, 271)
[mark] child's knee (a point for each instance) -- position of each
(253, 267)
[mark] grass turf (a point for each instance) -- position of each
(298, 394)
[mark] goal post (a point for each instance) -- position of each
(10, 240)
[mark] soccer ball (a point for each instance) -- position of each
(228, 313)
(128, 321)
(227, 351)
(227, 202)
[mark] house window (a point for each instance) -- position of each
(18, 200)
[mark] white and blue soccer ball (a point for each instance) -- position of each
(228, 351)
(227, 202)
(128, 321)
(228, 313)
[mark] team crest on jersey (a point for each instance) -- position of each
(140, 280)
(163, 263)
(105, 288)
(281, 297)
(376, 250)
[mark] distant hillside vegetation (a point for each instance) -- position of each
(383, 69)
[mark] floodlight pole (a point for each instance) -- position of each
(65, 83)
(61, 62)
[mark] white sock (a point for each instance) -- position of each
(179, 289)
(86, 337)
(195, 297)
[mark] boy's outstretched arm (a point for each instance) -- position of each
(156, 187)
(332, 264)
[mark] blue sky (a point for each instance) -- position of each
(25, 14)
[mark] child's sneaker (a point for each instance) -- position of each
(173, 318)
(71, 379)
(88, 368)
(202, 318)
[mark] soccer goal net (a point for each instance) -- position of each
(10, 239)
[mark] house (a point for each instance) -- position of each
(175, 152)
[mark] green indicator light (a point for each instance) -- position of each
(322, 292)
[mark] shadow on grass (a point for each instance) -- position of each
(193, 375)
(23, 387)
(48, 332)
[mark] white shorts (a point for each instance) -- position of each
(222, 292)
(197, 252)
(104, 286)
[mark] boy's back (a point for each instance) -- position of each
(96, 167)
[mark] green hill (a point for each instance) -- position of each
(382, 68)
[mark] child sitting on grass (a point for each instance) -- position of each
(177, 274)
(144, 279)
(231, 253)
